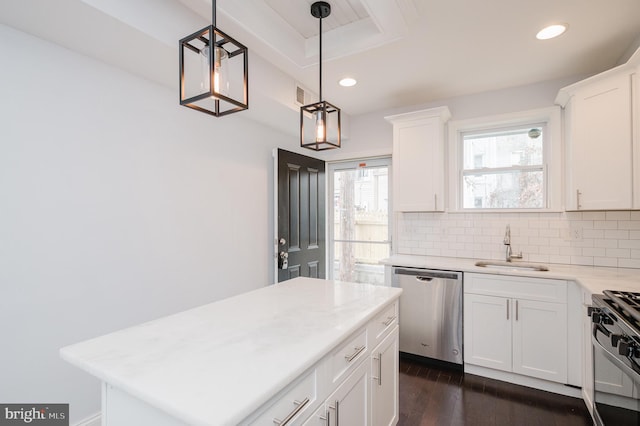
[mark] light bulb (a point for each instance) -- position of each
(321, 131)
(220, 71)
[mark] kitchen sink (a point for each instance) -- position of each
(511, 265)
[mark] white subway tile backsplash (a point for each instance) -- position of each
(616, 234)
(629, 263)
(583, 238)
(594, 215)
(603, 224)
(616, 215)
(629, 224)
(605, 261)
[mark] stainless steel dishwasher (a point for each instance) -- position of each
(430, 313)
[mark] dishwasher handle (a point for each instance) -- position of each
(423, 274)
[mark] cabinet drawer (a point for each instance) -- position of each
(348, 355)
(384, 322)
(543, 289)
(294, 405)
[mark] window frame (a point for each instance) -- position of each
(351, 164)
(552, 155)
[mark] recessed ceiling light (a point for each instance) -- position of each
(347, 82)
(551, 31)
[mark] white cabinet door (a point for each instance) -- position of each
(599, 145)
(384, 382)
(418, 160)
(487, 331)
(540, 339)
(349, 404)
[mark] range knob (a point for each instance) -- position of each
(615, 338)
(628, 347)
(599, 317)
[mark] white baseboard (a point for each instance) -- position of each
(94, 420)
(518, 379)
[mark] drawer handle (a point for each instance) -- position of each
(300, 406)
(350, 358)
(389, 320)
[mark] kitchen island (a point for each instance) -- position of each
(276, 354)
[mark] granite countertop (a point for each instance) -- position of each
(217, 363)
(593, 279)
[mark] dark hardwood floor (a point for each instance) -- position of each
(441, 397)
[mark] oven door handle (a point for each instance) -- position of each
(633, 371)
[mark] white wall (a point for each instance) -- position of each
(117, 206)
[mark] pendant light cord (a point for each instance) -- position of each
(320, 35)
(213, 12)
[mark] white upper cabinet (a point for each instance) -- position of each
(418, 160)
(601, 142)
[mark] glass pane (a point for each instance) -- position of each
(358, 262)
(514, 190)
(360, 202)
(515, 147)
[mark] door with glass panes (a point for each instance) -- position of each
(359, 235)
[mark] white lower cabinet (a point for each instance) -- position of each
(516, 324)
(384, 382)
(348, 404)
(487, 331)
(369, 395)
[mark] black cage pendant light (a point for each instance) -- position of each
(320, 122)
(214, 71)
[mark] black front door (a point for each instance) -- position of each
(301, 216)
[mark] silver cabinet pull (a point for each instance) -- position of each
(389, 321)
(337, 408)
(300, 406)
(578, 194)
(507, 309)
(435, 201)
(379, 378)
(350, 358)
(326, 418)
(423, 279)
(516, 309)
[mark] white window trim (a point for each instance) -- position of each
(552, 154)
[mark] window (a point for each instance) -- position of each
(510, 162)
(504, 168)
(359, 220)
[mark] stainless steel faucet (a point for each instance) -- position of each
(507, 242)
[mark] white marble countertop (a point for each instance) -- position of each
(217, 363)
(594, 279)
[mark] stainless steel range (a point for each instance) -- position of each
(616, 358)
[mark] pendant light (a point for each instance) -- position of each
(322, 129)
(214, 76)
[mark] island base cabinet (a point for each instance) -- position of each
(384, 382)
(348, 405)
